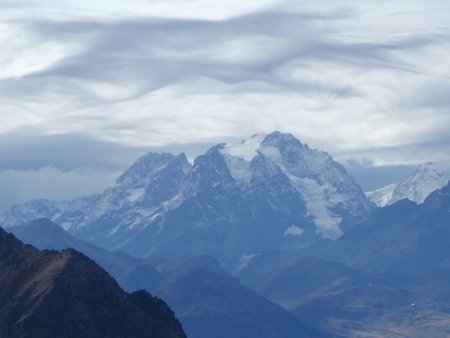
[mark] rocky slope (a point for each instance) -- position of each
(65, 294)
(130, 272)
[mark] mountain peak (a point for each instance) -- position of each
(247, 149)
(427, 178)
(319, 182)
(429, 168)
(145, 167)
(278, 139)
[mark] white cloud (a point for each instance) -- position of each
(110, 10)
(345, 76)
(24, 53)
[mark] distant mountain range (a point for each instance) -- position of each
(416, 187)
(235, 201)
(65, 294)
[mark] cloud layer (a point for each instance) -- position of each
(365, 81)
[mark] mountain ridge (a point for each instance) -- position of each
(402, 237)
(65, 294)
(234, 201)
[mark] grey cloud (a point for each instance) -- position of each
(435, 95)
(412, 154)
(18, 186)
(59, 167)
(367, 170)
(364, 91)
(25, 151)
(157, 52)
(153, 52)
(376, 177)
(138, 49)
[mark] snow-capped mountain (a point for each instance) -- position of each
(416, 187)
(270, 191)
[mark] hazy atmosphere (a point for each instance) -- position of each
(88, 87)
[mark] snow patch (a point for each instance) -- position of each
(381, 197)
(112, 231)
(272, 153)
(247, 149)
(66, 225)
(135, 194)
(238, 167)
(238, 157)
(319, 198)
(245, 260)
(315, 197)
(294, 231)
(174, 202)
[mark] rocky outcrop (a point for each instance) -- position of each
(65, 294)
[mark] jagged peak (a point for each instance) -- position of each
(246, 149)
(429, 168)
(249, 148)
(211, 152)
(182, 156)
(146, 166)
(425, 179)
(278, 138)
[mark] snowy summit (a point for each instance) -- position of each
(416, 187)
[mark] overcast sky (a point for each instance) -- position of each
(88, 86)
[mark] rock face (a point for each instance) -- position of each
(235, 201)
(130, 272)
(65, 294)
(416, 187)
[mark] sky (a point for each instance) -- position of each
(86, 87)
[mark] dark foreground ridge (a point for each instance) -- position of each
(65, 294)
